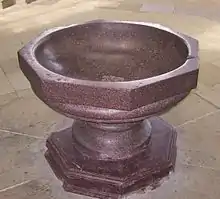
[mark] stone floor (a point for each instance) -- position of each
(25, 121)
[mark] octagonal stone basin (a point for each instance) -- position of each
(111, 52)
(111, 71)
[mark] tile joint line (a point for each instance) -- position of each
(21, 134)
(14, 186)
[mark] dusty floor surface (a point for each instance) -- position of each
(25, 121)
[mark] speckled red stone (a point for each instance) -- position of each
(111, 76)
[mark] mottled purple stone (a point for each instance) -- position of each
(111, 77)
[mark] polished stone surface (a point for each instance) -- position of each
(112, 149)
(111, 52)
(110, 178)
(197, 174)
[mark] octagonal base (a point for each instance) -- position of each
(112, 179)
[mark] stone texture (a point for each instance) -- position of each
(9, 65)
(191, 107)
(16, 77)
(28, 115)
(26, 93)
(120, 181)
(5, 86)
(23, 154)
(198, 163)
(96, 146)
(201, 134)
(157, 7)
(13, 74)
(7, 99)
(30, 1)
(8, 3)
(209, 74)
(38, 189)
(199, 158)
(210, 94)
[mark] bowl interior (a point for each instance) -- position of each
(106, 51)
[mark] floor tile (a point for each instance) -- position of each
(189, 182)
(185, 183)
(18, 81)
(190, 108)
(178, 22)
(38, 189)
(12, 71)
(208, 56)
(26, 93)
(216, 63)
(9, 65)
(195, 8)
(182, 194)
(25, 163)
(201, 180)
(130, 6)
(7, 98)
(157, 7)
(201, 135)
(208, 41)
(211, 94)
(200, 159)
(209, 74)
(23, 154)
(5, 86)
(29, 116)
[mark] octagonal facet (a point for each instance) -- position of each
(71, 72)
(109, 178)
